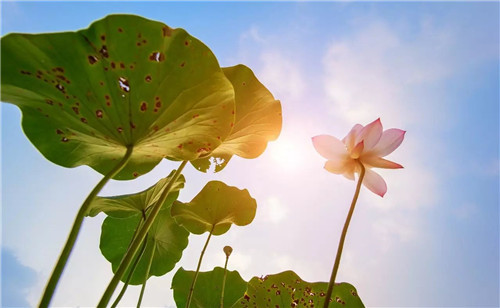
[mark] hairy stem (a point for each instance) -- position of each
(75, 230)
(342, 238)
(190, 295)
(224, 283)
(146, 278)
(138, 240)
(132, 269)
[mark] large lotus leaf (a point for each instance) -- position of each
(128, 205)
(125, 81)
(287, 289)
(165, 240)
(215, 208)
(258, 120)
(208, 289)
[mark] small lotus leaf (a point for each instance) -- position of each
(208, 289)
(258, 120)
(124, 82)
(166, 240)
(215, 207)
(128, 205)
(287, 289)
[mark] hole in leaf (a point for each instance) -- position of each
(124, 84)
(64, 139)
(60, 87)
(157, 56)
(92, 59)
(104, 51)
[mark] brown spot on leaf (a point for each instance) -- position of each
(195, 116)
(119, 129)
(59, 132)
(180, 146)
(83, 120)
(167, 31)
(132, 125)
(64, 139)
(120, 30)
(50, 102)
(144, 106)
(75, 109)
(99, 114)
(148, 78)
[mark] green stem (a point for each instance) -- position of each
(342, 238)
(146, 278)
(138, 240)
(224, 283)
(190, 295)
(75, 229)
(132, 269)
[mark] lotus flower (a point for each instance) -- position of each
(363, 144)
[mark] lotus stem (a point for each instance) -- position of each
(191, 289)
(75, 230)
(227, 250)
(146, 277)
(342, 237)
(132, 269)
(124, 264)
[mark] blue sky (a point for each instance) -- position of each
(428, 68)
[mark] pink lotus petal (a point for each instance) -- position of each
(337, 166)
(349, 175)
(351, 136)
(374, 182)
(370, 134)
(329, 147)
(390, 140)
(379, 162)
(358, 149)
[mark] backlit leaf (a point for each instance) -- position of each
(258, 120)
(125, 81)
(208, 289)
(216, 206)
(128, 205)
(166, 240)
(287, 289)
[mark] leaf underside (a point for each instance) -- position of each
(125, 81)
(258, 120)
(287, 289)
(217, 206)
(208, 288)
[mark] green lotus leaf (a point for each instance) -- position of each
(287, 289)
(165, 243)
(215, 208)
(124, 82)
(258, 120)
(208, 288)
(128, 205)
